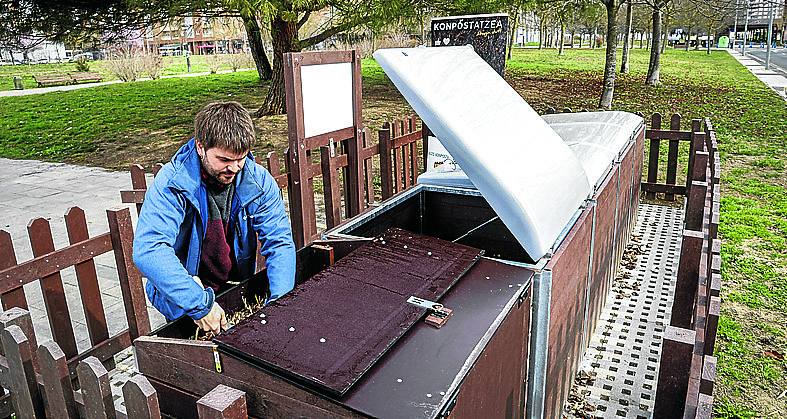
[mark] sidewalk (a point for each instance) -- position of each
(773, 79)
(41, 90)
(33, 189)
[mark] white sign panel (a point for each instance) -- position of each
(327, 91)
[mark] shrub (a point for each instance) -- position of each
(152, 64)
(126, 63)
(242, 60)
(214, 63)
(82, 64)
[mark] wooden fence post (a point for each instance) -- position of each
(223, 403)
(140, 398)
(672, 156)
(52, 288)
(57, 382)
(15, 298)
(122, 235)
(712, 325)
(673, 383)
(17, 316)
(25, 397)
(653, 155)
(386, 169)
(138, 181)
(695, 205)
(687, 279)
(330, 187)
(76, 225)
(708, 374)
(96, 391)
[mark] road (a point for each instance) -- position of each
(778, 57)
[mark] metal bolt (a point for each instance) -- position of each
(398, 380)
(442, 393)
(263, 321)
(428, 394)
(292, 329)
(322, 340)
(262, 315)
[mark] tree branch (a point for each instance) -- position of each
(316, 39)
(304, 19)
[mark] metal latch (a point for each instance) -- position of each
(438, 314)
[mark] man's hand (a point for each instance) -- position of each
(215, 321)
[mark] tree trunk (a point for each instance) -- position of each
(572, 39)
(688, 38)
(609, 61)
(512, 38)
(285, 39)
(257, 47)
(562, 36)
(652, 78)
(707, 41)
(581, 36)
(664, 39)
(624, 59)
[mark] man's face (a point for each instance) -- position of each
(221, 164)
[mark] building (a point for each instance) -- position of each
(198, 35)
(757, 15)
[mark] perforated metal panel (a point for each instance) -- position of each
(622, 359)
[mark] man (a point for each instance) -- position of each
(202, 217)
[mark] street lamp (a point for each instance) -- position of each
(745, 29)
(770, 35)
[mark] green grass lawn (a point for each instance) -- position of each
(145, 122)
(172, 66)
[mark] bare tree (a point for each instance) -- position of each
(608, 89)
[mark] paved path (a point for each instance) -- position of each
(776, 80)
(40, 90)
(32, 189)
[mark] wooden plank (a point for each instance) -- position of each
(96, 391)
(57, 382)
(139, 183)
(660, 134)
(673, 382)
(708, 374)
(653, 155)
(712, 325)
(140, 398)
(16, 296)
(425, 133)
(122, 235)
(330, 185)
(104, 351)
(407, 137)
(17, 316)
(52, 288)
(300, 201)
(21, 374)
(337, 136)
(53, 262)
(406, 157)
(687, 280)
(223, 403)
(704, 407)
(368, 172)
(715, 285)
(398, 159)
(695, 206)
(672, 156)
(136, 196)
(386, 167)
(700, 166)
(662, 188)
(414, 149)
(354, 200)
(76, 225)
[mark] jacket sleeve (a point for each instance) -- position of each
(157, 229)
(272, 226)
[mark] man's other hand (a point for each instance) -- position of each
(215, 321)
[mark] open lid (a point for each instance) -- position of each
(526, 172)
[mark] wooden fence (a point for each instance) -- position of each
(41, 386)
(688, 367)
(45, 268)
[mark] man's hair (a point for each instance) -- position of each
(225, 125)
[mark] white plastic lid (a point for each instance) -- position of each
(526, 172)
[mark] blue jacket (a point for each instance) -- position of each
(172, 224)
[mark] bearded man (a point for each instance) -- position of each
(203, 216)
